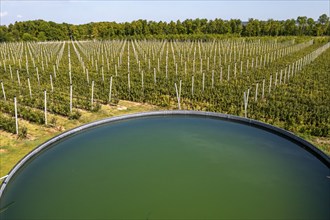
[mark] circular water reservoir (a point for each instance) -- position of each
(170, 165)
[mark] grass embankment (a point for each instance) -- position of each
(13, 149)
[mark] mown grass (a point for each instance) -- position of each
(13, 149)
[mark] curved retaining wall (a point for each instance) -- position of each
(286, 134)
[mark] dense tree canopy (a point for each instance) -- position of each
(40, 30)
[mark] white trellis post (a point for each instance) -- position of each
(235, 70)
(177, 95)
(129, 82)
(29, 85)
(276, 79)
(155, 79)
(70, 98)
(221, 74)
(11, 73)
(38, 76)
(185, 68)
(166, 70)
(102, 72)
(54, 70)
(45, 106)
(176, 69)
(92, 96)
(18, 79)
(70, 77)
(212, 79)
(16, 121)
(263, 88)
(110, 89)
(87, 76)
(246, 100)
(3, 91)
(203, 81)
(51, 82)
(192, 85)
(256, 95)
(247, 66)
(142, 83)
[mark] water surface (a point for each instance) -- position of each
(170, 168)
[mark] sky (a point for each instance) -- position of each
(85, 11)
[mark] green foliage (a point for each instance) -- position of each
(28, 37)
(301, 104)
(22, 133)
(53, 122)
(7, 124)
(74, 115)
(39, 30)
(96, 107)
(24, 112)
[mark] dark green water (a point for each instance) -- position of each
(171, 168)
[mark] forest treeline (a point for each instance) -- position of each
(40, 30)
